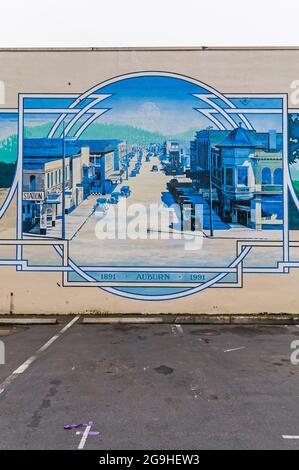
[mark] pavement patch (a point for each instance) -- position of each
(200, 332)
(165, 370)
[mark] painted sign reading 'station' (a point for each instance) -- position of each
(33, 196)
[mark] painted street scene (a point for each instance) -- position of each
(158, 166)
(191, 184)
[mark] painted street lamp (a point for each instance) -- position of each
(211, 194)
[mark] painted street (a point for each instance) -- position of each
(147, 188)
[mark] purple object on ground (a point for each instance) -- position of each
(91, 433)
(77, 425)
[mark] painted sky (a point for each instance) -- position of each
(153, 103)
(8, 125)
(167, 105)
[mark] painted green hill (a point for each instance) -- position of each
(116, 131)
(35, 132)
(186, 135)
(9, 149)
(105, 131)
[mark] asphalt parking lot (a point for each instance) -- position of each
(150, 387)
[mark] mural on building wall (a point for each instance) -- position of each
(151, 185)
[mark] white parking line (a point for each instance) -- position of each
(85, 436)
(28, 362)
(234, 349)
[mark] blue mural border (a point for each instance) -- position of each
(22, 264)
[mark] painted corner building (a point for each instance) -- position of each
(247, 175)
(167, 187)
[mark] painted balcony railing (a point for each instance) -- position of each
(239, 189)
(271, 187)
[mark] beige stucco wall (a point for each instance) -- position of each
(235, 71)
(228, 70)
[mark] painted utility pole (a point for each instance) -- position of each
(211, 194)
(127, 163)
(63, 183)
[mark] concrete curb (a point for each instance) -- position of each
(196, 319)
(27, 321)
(204, 319)
(117, 320)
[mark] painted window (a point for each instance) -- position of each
(243, 175)
(229, 176)
(48, 180)
(266, 176)
(32, 184)
(278, 176)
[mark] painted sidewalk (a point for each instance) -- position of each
(75, 220)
